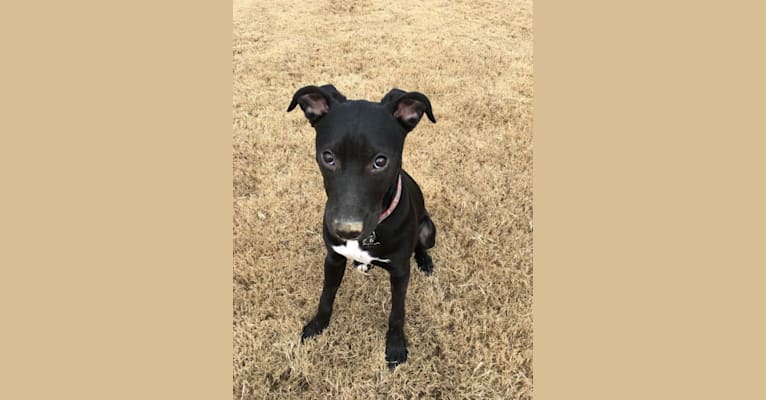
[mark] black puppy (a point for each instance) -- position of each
(375, 214)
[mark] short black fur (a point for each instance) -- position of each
(352, 138)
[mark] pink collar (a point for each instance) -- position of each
(394, 202)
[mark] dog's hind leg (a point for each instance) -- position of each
(426, 240)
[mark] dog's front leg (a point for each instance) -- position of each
(396, 343)
(334, 268)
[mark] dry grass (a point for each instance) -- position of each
(469, 325)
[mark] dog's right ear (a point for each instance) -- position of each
(316, 101)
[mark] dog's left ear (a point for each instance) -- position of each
(408, 107)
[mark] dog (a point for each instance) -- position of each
(375, 214)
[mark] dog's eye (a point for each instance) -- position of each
(328, 158)
(380, 162)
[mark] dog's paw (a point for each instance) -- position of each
(312, 329)
(425, 263)
(396, 350)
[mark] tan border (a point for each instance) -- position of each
(649, 206)
(116, 210)
(649, 199)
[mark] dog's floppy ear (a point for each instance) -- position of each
(408, 107)
(316, 101)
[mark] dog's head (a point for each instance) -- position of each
(359, 151)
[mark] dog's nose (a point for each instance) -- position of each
(347, 229)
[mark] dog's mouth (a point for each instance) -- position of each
(344, 237)
(343, 230)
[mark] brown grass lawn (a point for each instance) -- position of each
(470, 324)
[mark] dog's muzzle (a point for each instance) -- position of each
(348, 230)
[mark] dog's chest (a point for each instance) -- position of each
(351, 250)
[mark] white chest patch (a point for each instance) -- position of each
(351, 250)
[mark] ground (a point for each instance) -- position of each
(470, 324)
